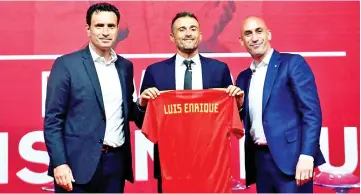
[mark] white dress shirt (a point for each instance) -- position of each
(180, 68)
(255, 98)
(112, 98)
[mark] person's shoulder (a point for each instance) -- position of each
(124, 60)
(214, 64)
(68, 59)
(213, 61)
(244, 74)
(290, 56)
(72, 55)
(161, 64)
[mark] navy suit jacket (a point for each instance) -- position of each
(74, 123)
(215, 74)
(291, 113)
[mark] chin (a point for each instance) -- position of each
(189, 50)
(105, 47)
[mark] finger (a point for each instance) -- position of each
(231, 90)
(57, 181)
(67, 177)
(145, 95)
(157, 91)
(60, 182)
(71, 177)
(240, 93)
(149, 94)
(310, 172)
(63, 180)
(307, 175)
(69, 186)
(228, 89)
(236, 91)
(302, 180)
(298, 176)
(66, 188)
(153, 92)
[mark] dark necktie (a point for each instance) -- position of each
(188, 75)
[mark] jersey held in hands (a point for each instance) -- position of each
(192, 129)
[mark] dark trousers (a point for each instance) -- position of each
(109, 176)
(270, 179)
(160, 185)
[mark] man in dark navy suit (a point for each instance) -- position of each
(185, 70)
(88, 108)
(281, 115)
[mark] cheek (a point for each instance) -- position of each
(114, 33)
(178, 39)
(94, 34)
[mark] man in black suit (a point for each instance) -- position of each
(88, 108)
(185, 70)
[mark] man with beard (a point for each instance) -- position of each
(281, 115)
(186, 70)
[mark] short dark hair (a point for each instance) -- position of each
(98, 7)
(182, 14)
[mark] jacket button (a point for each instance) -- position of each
(103, 120)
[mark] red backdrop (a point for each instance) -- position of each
(34, 33)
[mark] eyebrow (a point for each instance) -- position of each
(250, 31)
(102, 24)
(192, 26)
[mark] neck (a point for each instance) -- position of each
(106, 53)
(187, 55)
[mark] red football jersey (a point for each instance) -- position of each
(192, 129)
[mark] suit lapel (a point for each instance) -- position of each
(206, 72)
(122, 78)
(92, 73)
(271, 74)
(246, 85)
(169, 82)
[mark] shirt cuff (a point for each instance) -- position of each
(305, 157)
(140, 108)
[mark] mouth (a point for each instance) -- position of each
(255, 46)
(105, 40)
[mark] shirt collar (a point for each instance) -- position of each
(97, 58)
(179, 59)
(264, 62)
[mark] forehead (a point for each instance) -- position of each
(252, 24)
(104, 17)
(186, 22)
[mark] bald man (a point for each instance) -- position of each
(281, 114)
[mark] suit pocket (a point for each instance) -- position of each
(292, 135)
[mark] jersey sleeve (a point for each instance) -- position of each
(236, 126)
(150, 126)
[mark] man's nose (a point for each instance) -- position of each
(254, 37)
(105, 31)
(188, 33)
